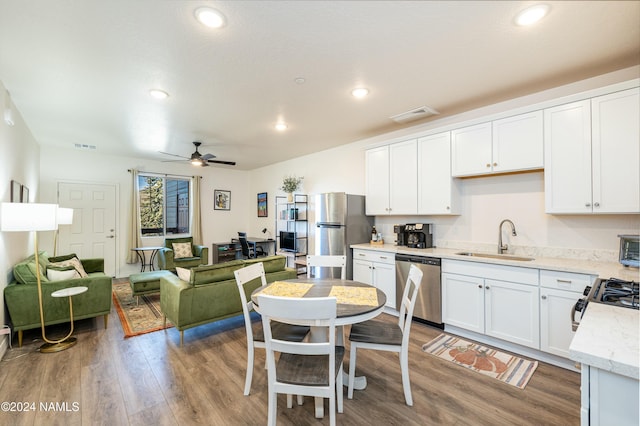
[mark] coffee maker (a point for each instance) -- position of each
(414, 235)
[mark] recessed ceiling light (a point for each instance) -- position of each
(158, 94)
(531, 15)
(300, 80)
(360, 92)
(281, 127)
(210, 17)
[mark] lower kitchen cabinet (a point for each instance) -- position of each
(377, 269)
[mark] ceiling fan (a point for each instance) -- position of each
(198, 159)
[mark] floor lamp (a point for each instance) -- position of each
(34, 217)
(65, 217)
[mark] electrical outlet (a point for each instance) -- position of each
(5, 330)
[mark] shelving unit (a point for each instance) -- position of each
(291, 216)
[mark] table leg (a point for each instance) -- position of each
(141, 257)
(154, 253)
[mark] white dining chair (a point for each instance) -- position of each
(303, 368)
(384, 336)
(246, 280)
(327, 261)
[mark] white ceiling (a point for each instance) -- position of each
(79, 71)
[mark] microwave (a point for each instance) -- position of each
(630, 250)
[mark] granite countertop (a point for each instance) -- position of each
(598, 268)
(609, 338)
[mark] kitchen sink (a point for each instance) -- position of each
(496, 256)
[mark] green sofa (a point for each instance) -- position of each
(167, 260)
(21, 295)
(211, 294)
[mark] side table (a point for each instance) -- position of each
(68, 341)
(140, 251)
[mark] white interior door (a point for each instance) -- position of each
(92, 233)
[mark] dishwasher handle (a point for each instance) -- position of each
(423, 260)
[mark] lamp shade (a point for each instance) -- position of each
(65, 216)
(16, 217)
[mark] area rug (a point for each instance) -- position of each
(137, 319)
(507, 368)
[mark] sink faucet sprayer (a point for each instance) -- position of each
(503, 247)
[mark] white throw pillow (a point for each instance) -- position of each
(184, 274)
(181, 250)
(54, 275)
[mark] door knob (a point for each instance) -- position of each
(110, 236)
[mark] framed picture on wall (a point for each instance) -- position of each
(24, 197)
(221, 200)
(262, 205)
(16, 191)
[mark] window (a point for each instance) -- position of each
(164, 205)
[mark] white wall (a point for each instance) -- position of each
(19, 153)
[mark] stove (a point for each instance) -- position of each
(611, 291)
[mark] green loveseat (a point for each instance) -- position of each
(211, 294)
(168, 261)
(21, 295)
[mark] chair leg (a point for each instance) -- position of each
(289, 400)
(352, 369)
(332, 410)
(404, 367)
(339, 390)
(249, 378)
(300, 399)
(272, 410)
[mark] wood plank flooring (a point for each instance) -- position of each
(150, 380)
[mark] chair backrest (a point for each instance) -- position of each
(313, 311)
(327, 261)
(408, 302)
(168, 242)
(244, 276)
(244, 245)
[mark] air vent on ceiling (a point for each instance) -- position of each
(85, 146)
(414, 114)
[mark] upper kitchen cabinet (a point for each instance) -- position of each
(438, 193)
(392, 179)
(592, 155)
(506, 145)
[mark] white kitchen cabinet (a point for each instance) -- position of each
(392, 179)
(592, 155)
(376, 269)
(438, 192)
(559, 291)
(499, 301)
(505, 145)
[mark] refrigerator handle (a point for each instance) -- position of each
(328, 225)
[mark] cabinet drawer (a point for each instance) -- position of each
(375, 256)
(565, 280)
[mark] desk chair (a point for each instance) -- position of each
(304, 368)
(249, 252)
(327, 261)
(255, 336)
(383, 336)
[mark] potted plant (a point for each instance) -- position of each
(290, 184)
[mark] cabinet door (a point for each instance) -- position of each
(567, 158)
(403, 178)
(463, 302)
(615, 149)
(377, 185)
(362, 271)
(471, 150)
(555, 327)
(384, 277)
(511, 312)
(437, 190)
(518, 143)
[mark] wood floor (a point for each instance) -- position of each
(150, 380)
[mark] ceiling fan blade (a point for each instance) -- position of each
(206, 157)
(174, 161)
(228, 163)
(173, 155)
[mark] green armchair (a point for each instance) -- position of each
(168, 259)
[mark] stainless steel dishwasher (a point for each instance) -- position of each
(429, 303)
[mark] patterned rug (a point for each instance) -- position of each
(137, 319)
(507, 368)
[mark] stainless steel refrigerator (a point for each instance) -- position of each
(340, 222)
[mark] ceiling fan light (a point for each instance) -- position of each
(197, 161)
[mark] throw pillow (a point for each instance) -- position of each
(181, 250)
(184, 274)
(55, 275)
(75, 262)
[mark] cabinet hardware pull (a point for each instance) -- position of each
(383, 257)
(448, 208)
(361, 254)
(495, 164)
(596, 204)
(488, 165)
(563, 281)
(587, 204)
(487, 287)
(544, 297)
(479, 285)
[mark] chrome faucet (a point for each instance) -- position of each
(503, 247)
